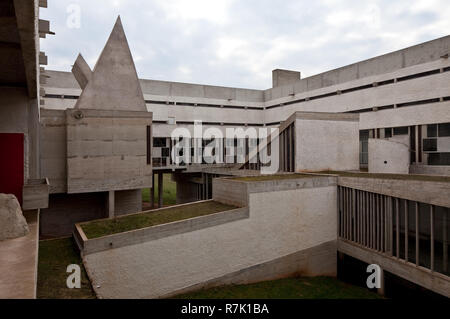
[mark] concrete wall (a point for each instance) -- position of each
(326, 145)
(306, 218)
(107, 150)
(429, 170)
(16, 116)
(388, 156)
(53, 151)
(421, 53)
(127, 202)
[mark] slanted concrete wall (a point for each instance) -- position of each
(280, 225)
(388, 156)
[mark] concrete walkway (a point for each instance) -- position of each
(18, 263)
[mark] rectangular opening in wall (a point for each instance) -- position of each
(439, 159)
(444, 129)
(388, 132)
(403, 130)
(432, 130)
(441, 240)
(149, 145)
(429, 145)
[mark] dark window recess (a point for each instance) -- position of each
(439, 159)
(444, 129)
(418, 75)
(431, 130)
(156, 161)
(412, 137)
(388, 132)
(159, 142)
(403, 130)
(165, 152)
(429, 145)
(149, 145)
(363, 134)
(420, 102)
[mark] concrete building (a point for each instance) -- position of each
(83, 145)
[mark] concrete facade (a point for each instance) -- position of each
(326, 143)
(403, 88)
(387, 156)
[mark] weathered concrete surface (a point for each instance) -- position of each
(138, 236)
(18, 263)
(305, 218)
(12, 222)
(107, 150)
(388, 156)
(114, 84)
(282, 77)
(327, 144)
(318, 260)
(429, 170)
(430, 192)
(35, 194)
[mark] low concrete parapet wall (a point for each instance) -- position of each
(89, 246)
(430, 192)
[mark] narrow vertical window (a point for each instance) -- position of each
(149, 145)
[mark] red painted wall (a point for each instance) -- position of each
(11, 164)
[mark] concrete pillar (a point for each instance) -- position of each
(160, 190)
(152, 192)
(432, 208)
(445, 240)
(417, 232)
(110, 204)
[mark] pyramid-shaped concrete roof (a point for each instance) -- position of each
(114, 84)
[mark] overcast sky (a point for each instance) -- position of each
(239, 42)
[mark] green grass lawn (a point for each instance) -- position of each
(169, 191)
(289, 288)
(103, 227)
(56, 254)
(54, 257)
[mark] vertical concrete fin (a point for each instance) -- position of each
(81, 71)
(114, 84)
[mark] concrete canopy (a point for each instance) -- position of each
(114, 84)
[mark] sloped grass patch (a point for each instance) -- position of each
(104, 227)
(54, 257)
(288, 288)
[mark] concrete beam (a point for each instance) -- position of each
(27, 15)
